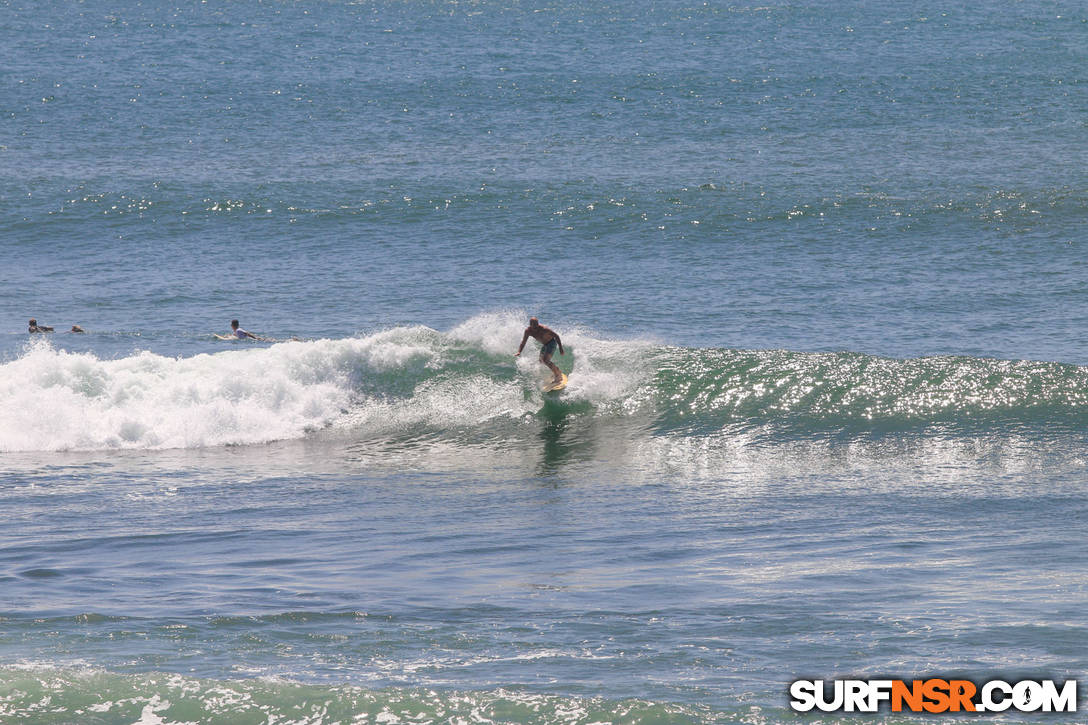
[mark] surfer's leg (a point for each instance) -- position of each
(546, 353)
(547, 360)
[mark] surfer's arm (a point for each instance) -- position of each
(560, 343)
(524, 339)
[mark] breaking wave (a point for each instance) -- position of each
(411, 379)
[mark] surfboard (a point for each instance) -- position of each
(553, 387)
(258, 338)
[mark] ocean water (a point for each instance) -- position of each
(819, 267)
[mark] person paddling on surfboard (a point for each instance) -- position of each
(548, 339)
(238, 332)
(35, 327)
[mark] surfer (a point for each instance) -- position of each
(35, 327)
(549, 341)
(238, 332)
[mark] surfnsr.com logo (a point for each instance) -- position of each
(933, 695)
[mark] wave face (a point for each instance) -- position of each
(830, 392)
(411, 381)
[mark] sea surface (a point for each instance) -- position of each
(820, 273)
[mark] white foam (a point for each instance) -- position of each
(444, 403)
(52, 400)
(497, 333)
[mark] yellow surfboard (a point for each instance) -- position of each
(553, 386)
